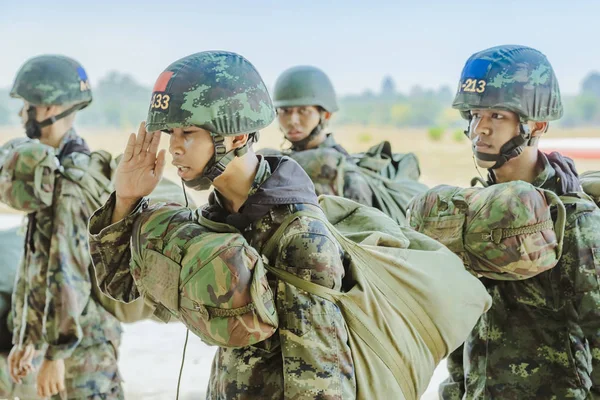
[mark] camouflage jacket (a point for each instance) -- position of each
(52, 301)
(541, 338)
(308, 357)
(355, 186)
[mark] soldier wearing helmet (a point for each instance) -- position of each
(541, 338)
(305, 100)
(212, 105)
(53, 308)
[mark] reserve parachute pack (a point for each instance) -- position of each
(28, 172)
(503, 232)
(392, 177)
(213, 282)
(408, 301)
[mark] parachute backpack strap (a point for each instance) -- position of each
(561, 218)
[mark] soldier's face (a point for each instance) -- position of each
(491, 129)
(298, 122)
(191, 148)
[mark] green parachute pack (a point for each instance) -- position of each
(392, 177)
(28, 173)
(503, 232)
(400, 299)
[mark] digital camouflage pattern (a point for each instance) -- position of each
(27, 174)
(515, 78)
(541, 338)
(52, 303)
(52, 80)
(214, 283)
(305, 86)
(308, 357)
(325, 167)
(502, 232)
(215, 90)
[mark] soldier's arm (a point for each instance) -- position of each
(68, 277)
(453, 387)
(110, 250)
(320, 352)
(581, 258)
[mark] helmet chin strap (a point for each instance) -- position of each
(511, 149)
(33, 128)
(221, 158)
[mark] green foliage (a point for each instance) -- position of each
(365, 137)
(435, 133)
(120, 102)
(459, 135)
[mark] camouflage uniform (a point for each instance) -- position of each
(309, 86)
(52, 304)
(308, 356)
(541, 338)
(321, 165)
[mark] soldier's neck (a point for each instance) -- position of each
(235, 182)
(521, 168)
(52, 135)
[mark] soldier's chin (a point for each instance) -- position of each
(484, 164)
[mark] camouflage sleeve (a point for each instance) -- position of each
(318, 361)
(110, 250)
(453, 387)
(581, 260)
(357, 188)
(68, 277)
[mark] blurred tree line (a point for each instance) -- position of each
(121, 102)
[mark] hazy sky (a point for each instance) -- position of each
(355, 42)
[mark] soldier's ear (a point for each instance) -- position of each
(239, 141)
(47, 112)
(538, 128)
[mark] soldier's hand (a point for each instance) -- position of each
(139, 171)
(51, 378)
(20, 362)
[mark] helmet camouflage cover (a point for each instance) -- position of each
(516, 78)
(52, 80)
(215, 90)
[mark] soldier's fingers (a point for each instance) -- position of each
(54, 388)
(155, 142)
(130, 148)
(41, 390)
(147, 141)
(160, 164)
(61, 386)
(139, 141)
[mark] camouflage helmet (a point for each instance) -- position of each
(516, 78)
(52, 80)
(305, 86)
(215, 90)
